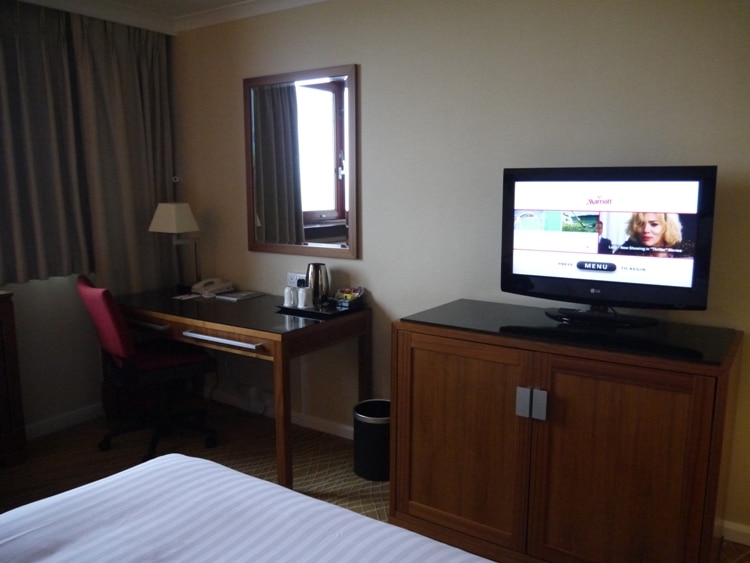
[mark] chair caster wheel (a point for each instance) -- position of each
(211, 441)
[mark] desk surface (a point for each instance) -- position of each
(257, 313)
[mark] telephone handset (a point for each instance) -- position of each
(212, 286)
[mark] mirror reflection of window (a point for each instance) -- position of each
(317, 142)
(321, 129)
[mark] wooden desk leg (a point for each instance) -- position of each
(364, 368)
(283, 413)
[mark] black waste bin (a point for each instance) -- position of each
(372, 425)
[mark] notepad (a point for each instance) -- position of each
(186, 296)
(238, 295)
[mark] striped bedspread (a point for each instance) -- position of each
(178, 508)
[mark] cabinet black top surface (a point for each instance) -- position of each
(668, 340)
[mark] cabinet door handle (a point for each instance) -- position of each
(531, 403)
(523, 402)
(538, 404)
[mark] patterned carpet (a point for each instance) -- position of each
(323, 464)
(735, 553)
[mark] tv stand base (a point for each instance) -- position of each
(599, 318)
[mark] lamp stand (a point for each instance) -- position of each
(188, 240)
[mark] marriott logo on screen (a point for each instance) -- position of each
(599, 201)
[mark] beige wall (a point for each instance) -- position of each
(453, 91)
(58, 355)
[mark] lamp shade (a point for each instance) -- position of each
(173, 218)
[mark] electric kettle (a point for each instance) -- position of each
(317, 281)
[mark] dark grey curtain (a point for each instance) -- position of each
(85, 149)
(276, 172)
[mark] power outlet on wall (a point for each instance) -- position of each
(292, 277)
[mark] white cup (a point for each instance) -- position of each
(290, 297)
(304, 298)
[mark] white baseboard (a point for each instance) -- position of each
(60, 422)
(737, 533)
(323, 425)
(300, 419)
(228, 398)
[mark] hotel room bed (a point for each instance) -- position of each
(179, 508)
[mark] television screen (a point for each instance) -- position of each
(637, 237)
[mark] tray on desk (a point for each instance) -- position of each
(321, 313)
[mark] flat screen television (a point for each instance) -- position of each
(606, 237)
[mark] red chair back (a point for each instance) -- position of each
(111, 327)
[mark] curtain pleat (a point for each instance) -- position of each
(124, 98)
(86, 149)
(43, 231)
(276, 172)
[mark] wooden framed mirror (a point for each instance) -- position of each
(301, 139)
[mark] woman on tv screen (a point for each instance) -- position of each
(655, 234)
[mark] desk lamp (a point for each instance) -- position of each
(177, 219)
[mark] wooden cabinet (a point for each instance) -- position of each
(520, 448)
(12, 434)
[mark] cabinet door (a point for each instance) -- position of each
(462, 456)
(12, 433)
(620, 464)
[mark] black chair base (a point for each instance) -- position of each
(192, 420)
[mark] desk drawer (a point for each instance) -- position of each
(222, 340)
(150, 324)
(236, 341)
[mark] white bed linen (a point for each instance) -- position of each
(179, 508)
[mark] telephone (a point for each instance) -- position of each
(211, 286)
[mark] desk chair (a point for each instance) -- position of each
(156, 363)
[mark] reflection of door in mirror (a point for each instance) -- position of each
(301, 162)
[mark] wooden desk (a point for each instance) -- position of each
(255, 328)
